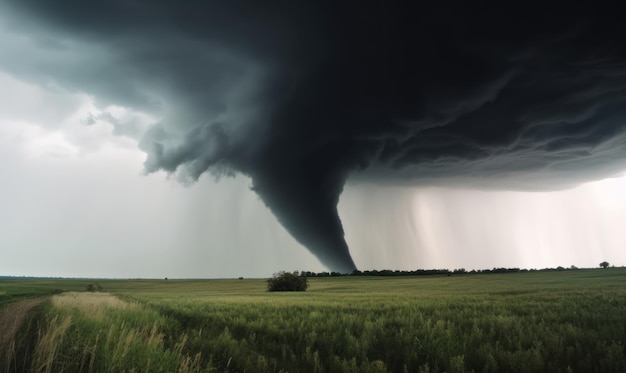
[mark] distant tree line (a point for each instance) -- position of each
(430, 272)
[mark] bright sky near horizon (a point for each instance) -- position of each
(417, 125)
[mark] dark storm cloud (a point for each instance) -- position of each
(302, 96)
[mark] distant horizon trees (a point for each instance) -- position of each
(431, 272)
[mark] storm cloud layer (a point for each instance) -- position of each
(304, 96)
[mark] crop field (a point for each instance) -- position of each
(560, 321)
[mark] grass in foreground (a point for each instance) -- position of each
(97, 332)
(524, 322)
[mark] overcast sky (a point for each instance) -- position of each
(150, 139)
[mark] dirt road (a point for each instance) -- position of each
(12, 317)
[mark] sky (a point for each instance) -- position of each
(212, 140)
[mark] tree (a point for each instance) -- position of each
(604, 264)
(286, 281)
(94, 286)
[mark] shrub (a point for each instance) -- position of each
(94, 286)
(286, 281)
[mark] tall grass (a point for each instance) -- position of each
(490, 323)
(97, 332)
(571, 321)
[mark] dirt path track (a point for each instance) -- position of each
(11, 318)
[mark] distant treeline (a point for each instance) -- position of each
(429, 272)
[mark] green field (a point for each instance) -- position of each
(561, 321)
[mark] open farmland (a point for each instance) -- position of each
(560, 321)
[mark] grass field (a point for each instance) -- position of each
(562, 321)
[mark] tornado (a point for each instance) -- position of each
(305, 203)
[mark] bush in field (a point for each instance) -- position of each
(286, 281)
(604, 264)
(94, 286)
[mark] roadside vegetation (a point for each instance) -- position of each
(96, 332)
(561, 321)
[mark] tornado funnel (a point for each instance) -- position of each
(306, 205)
